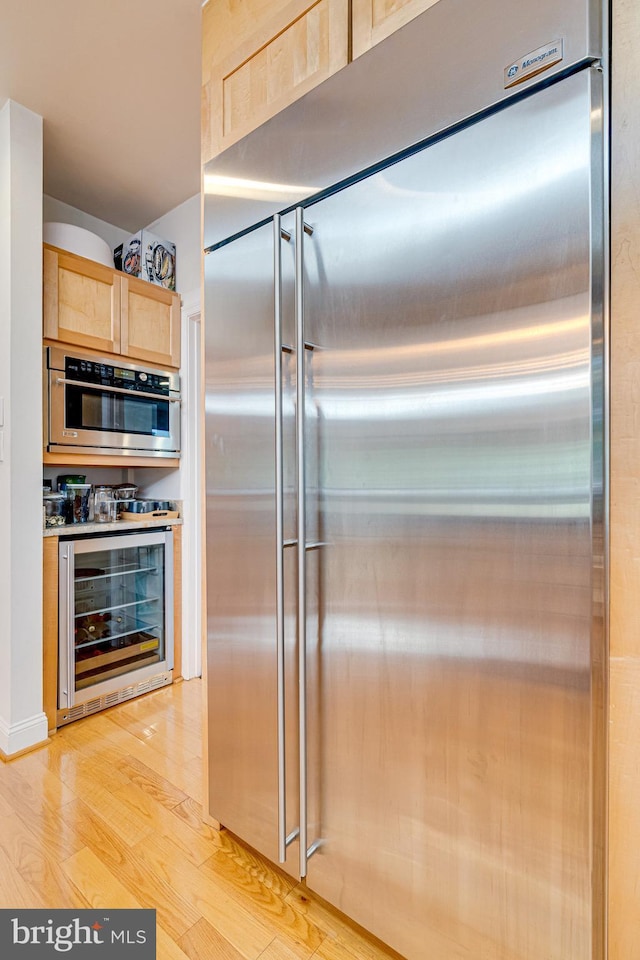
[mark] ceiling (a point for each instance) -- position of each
(118, 86)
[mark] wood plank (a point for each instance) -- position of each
(191, 779)
(342, 937)
(293, 925)
(249, 935)
(180, 706)
(151, 782)
(49, 826)
(203, 941)
(31, 786)
(15, 892)
(96, 738)
(71, 766)
(167, 948)
(126, 822)
(161, 823)
(105, 730)
(258, 867)
(5, 807)
(338, 950)
(39, 869)
(97, 883)
(278, 950)
(164, 735)
(191, 812)
(171, 767)
(175, 914)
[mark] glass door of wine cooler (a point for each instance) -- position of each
(116, 614)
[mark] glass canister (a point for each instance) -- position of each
(124, 494)
(78, 503)
(54, 509)
(104, 504)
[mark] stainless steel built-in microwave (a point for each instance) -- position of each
(110, 406)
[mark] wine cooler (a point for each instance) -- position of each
(116, 620)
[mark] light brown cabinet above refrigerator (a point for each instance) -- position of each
(373, 20)
(261, 55)
(258, 58)
(94, 306)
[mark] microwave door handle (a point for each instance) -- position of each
(130, 393)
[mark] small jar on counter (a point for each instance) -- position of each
(78, 503)
(104, 504)
(53, 509)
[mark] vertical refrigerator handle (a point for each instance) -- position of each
(278, 235)
(301, 533)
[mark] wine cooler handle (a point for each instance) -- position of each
(69, 620)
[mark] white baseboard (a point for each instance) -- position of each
(17, 737)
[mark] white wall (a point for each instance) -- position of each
(58, 212)
(182, 227)
(22, 721)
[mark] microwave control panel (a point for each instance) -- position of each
(108, 375)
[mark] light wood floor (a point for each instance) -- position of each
(108, 814)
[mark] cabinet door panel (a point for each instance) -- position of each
(150, 328)
(265, 74)
(373, 20)
(81, 301)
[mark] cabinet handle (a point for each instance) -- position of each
(174, 398)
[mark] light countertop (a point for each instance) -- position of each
(82, 529)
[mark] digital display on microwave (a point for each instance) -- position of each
(124, 374)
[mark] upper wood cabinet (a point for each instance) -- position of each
(94, 306)
(81, 301)
(150, 322)
(261, 55)
(373, 20)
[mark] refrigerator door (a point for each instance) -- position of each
(452, 709)
(242, 657)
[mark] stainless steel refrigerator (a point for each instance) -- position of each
(405, 463)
